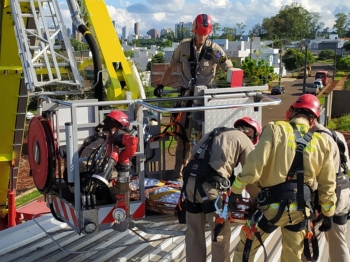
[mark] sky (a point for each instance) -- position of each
(160, 14)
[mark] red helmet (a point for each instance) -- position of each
(253, 123)
(310, 102)
(202, 24)
(120, 117)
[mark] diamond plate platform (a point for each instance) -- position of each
(162, 224)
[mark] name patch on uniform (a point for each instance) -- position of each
(218, 53)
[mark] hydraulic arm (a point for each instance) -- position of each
(92, 19)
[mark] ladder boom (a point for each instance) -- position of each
(51, 49)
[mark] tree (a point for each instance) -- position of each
(129, 53)
(170, 36)
(239, 30)
(344, 63)
(326, 54)
(255, 71)
(79, 46)
(216, 29)
(258, 30)
(346, 46)
(295, 58)
(315, 24)
(229, 33)
(156, 59)
(183, 32)
(341, 24)
(292, 22)
(220, 78)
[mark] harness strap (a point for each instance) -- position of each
(298, 164)
(193, 61)
(255, 220)
(182, 134)
(340, 220)
(297, 168)
(311, 238)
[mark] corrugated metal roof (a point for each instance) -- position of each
(28, 242)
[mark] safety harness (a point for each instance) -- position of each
(292, 190)
(202, 172)
(179, 131)
(206, 52)
(342, 179)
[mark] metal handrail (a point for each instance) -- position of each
(273, 101)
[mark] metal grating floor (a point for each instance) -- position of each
(28, 242)
(165, 225)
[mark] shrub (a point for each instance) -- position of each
(347, 85)
(326, 54)
(342, 123)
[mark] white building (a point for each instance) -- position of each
(221, 42)
(142, 56)
(125, 33)
(239, 50)
(168, 52)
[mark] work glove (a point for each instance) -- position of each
(233, 201)
(158, 91)
(327, 222)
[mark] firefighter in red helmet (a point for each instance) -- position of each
(211, 167)
(115, 121)
(254, 132)
(197, 59)
(286, 163)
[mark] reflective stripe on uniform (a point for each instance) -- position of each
(326, 207)
(237, 183)
(292, 206)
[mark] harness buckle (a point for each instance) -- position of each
(300, 171)
(225, 183)
(262, 195)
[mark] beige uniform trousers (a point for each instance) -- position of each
(196, 250)
(337, 236)
(292, 242)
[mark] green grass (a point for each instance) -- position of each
(321, 98)
(20, 201)
(337, 78)
(342, 73)
(342, 123)
(326, 61)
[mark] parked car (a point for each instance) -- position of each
(312, 89)
(319, 83)
(278, 90)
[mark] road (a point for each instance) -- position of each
(293, 90)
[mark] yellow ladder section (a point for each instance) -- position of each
(10, 83)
